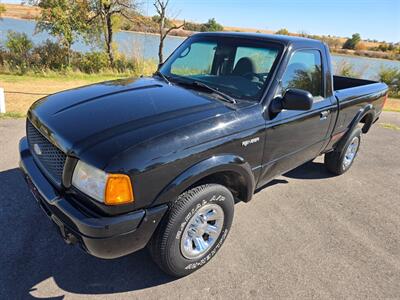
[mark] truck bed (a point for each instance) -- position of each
(347, 88)
(341, 82)
(353, 95)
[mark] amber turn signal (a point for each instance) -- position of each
(118, 190)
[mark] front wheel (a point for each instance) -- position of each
(338, 162)
(194, 229)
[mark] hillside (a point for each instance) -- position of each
(18, 11)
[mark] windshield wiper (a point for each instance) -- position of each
(216, 91)
(163, 77)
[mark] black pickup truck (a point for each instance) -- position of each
(161, 161)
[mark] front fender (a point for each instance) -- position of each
(205, 168)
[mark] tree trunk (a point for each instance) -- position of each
(161, 45)
(160, 50)
(68, 55)
(108, 40)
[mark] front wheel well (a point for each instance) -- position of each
(233, 181)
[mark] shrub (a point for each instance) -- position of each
(391, 76)
(19, 48)
(283, 31)
(193, 26)
(3, 54)
(122, 64)
(211, 25)
(344, 68)
(50, 56)
(352, 42)
(93, 62)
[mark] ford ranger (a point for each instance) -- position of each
(161, 161)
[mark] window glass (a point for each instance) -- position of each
(234, 66)
(262, 58)
(195, 60)
(304, 71)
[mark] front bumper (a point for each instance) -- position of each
(104, 237)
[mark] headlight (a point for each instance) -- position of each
(111, 189)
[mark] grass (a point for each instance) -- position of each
(390, 126)
(73, 76)
(392, 104)
(22, 91)
(11, 115)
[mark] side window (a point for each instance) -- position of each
(196, 59)
(304, 71)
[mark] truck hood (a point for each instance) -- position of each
(77, 120)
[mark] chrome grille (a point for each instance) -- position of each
(49, 157)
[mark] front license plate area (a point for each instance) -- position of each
(64, 232)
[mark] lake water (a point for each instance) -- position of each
(146, 46)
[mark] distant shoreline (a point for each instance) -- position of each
(361, 56)
(32, 11)
(156, 34)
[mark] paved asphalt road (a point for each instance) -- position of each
(306, 235)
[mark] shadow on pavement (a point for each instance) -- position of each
(271, 183)
(32, 252)
(310, 170)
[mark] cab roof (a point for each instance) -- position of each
(285, 39)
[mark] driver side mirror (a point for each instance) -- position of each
(294, 99)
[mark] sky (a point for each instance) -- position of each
(379, 19)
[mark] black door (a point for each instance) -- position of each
(294, 137)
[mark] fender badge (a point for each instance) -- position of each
(249, 142)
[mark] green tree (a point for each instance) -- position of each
(62, 19)
(352, 42)
(212, 25)
(104, 17)
(282, 31)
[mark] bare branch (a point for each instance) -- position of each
(173, 28)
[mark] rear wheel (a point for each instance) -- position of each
(338, 162)
(194, 229)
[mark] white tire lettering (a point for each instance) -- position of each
(197, 264)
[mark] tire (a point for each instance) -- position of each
(176, 245)
(340, 161)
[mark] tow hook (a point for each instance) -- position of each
(68, 237)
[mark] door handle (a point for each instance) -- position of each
(324, 115)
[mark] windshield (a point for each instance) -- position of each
(237, 67)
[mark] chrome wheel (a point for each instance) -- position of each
(202, 231)
(351, 152)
